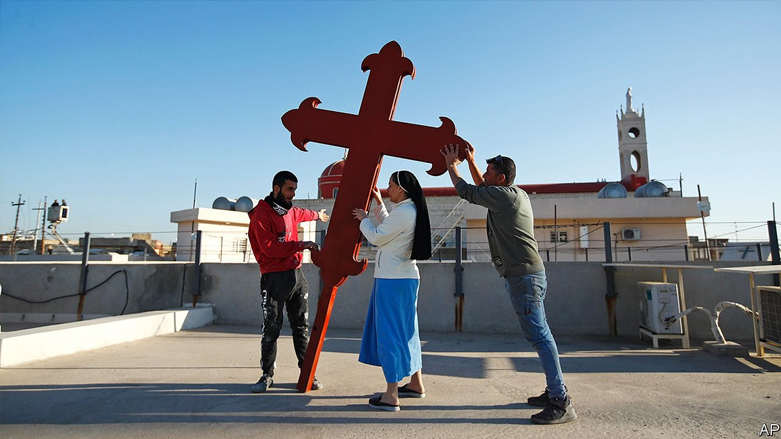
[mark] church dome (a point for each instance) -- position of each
(328, 183)
(335, 169)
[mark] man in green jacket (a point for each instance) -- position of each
(514, 253)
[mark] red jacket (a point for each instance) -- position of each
(274, 238)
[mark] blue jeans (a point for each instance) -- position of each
(527, 293)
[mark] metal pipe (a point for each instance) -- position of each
(713, 316)
(775, 258)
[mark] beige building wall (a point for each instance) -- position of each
(656, 228)
(224, 235)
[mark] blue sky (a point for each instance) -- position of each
(118, 106)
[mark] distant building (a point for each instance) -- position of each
(138, 244)
(223, 235)
(647, 219)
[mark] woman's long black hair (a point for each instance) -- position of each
(421, 244)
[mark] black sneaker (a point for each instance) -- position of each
(316, 384)
(557, 411)
(539, 401)
(263, 383)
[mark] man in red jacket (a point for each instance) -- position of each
(273, 234)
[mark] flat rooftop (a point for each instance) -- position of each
(195, 384)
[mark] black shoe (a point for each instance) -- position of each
(316, 384)
(376, 403)
(557, 411)
(263, 383)
(539, 401)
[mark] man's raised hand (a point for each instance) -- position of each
(450, 152)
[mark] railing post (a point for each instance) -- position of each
(83, 276)
(459, 294)
(197, 289)
(775, 258)
(611, 296)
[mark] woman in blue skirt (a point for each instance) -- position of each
(390, 337)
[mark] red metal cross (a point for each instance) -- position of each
(369, 135)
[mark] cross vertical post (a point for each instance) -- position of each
(369, 135)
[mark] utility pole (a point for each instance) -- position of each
(43, 226)
(39, 209)
(704, 230)
(18, 204)
(192, 229)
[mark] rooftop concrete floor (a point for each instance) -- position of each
(195, 384)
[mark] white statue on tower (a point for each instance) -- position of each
(629, 100)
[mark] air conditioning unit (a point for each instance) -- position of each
(630, 234)
(659, 301)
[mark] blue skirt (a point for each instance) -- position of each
(390, 337)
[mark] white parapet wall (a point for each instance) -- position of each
(40, 343)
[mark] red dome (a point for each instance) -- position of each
(335, 169)
(328, 183)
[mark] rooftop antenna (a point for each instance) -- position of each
(195, 192)
(680, 182)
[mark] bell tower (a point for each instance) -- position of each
(632, 145)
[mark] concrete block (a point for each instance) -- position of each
(728, 349)
(51, 341)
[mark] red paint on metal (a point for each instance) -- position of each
(633, 181)
(369, 135)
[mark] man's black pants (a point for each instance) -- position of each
(286, 289)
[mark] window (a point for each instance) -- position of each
(562, 236)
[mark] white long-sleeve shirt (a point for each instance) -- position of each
(393, 234)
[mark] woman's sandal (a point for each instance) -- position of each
(405, 392)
